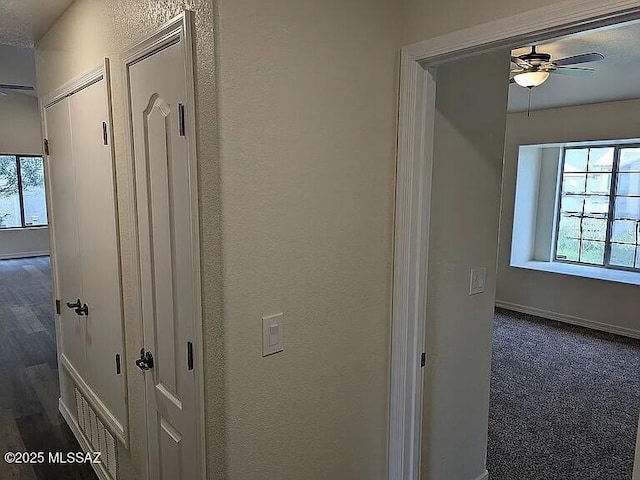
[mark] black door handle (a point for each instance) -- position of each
(79, 307)
(145, 362)
(74, 305)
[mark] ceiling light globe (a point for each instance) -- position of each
(531, 79)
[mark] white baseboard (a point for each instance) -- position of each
(560, 317)
(13, 256)
(483, 476)
(101, 472)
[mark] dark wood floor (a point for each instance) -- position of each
(29, 390)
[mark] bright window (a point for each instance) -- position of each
(22, 192)
(599, 207)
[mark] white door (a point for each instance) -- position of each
(85, 246)
(163, 205)
(61, 172)
(99, 255)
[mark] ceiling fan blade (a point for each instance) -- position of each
(584, 58)
(571, 70)
(5, 86)
(520, 63)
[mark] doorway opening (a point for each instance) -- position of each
(438, 313)
(566, 357)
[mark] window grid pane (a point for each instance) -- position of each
(33, 192)
(22, 192)
(599, 207)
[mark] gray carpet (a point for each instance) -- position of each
(564, 401)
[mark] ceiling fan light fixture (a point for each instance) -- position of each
(531, 79)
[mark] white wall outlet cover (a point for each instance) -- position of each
(272, 334)
(477, 280)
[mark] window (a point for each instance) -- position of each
(599, 207)
(22, 192)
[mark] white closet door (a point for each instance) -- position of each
(61, 171)
(99, 255)
(157, 88)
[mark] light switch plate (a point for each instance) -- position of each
(272, 334)
(478, 280)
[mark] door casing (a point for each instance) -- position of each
(180, 27)
(417, 108)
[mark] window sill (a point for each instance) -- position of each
(606, 274)
(23, 229)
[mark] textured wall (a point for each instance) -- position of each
(307, 114)
(581, 297)
(20, 120)
(89, 31)
(465, 203)
(423, 19)
(307, 125)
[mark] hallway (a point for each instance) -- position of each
(29, 391)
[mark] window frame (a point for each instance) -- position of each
(613, 189)
(18, 157)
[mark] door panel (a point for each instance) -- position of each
(157, 88)
(61, 171)
(99, 255)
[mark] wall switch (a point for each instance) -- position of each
(272, 334)
(478, 280)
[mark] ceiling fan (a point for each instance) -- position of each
(534, 68)
(19, 88)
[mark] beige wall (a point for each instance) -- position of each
(562, 294)
(465, 199)
(424, 19)
(307, 131)
(20, 133)
(89, 31)
(307, 113)
(20, 120)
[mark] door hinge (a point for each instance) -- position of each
(189, 356)
(105, 137)
(181, 119)
(46, 147)
(118, 368)
(423, 359)
(57, 307)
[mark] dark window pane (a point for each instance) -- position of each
(624, 231)
(568, 249)
(592, 252)
(599, 183)
(629, 160)
(601, 159)
(628, 184)
(594, 229)
(9, 196)
(575, 159)
(627, 207)
(622, 255)
(574, 182)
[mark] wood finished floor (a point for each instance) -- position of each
(29, 390)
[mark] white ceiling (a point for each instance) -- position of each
(24, 22)
(617, 77)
